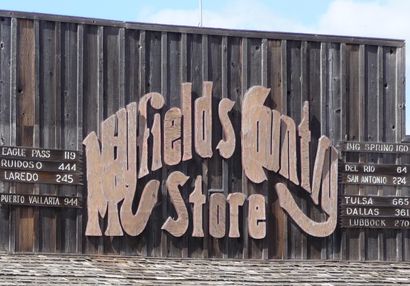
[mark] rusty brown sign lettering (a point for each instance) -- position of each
(130, 147)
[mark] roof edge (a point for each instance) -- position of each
(205, 30)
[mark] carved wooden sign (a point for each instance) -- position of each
(383, 169)
(40, 166)
(378, 223)
(374, 201)
(40, 201)
(375, 147)
(39, 154)
(131, 146)
(34, 177)
(378, 180)
(374, 212)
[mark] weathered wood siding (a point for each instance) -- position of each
(61, 76)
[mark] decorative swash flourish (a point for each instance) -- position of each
(270, 141)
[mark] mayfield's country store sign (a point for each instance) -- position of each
(270, 141)
(155, 140)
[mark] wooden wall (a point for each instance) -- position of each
(61, 76)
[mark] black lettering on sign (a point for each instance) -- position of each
(41, 154)
(31, 177)
(378, 180)
(392, 223)
(383, 169)
(40, 201)
(375, 147)
(31, 165)
(374, 201)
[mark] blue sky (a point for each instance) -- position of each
(372, 18)
(129, 10)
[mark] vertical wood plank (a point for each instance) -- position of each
(380, 129)
(304, 96)
(361, 103)
(155, 65)
(353, 109)
(187, 189)
(205, 162)
(109, 63)
(316, 84)
(234, 93)
(371, 134)
(167, 248)
(265, 185)
(13, 126)
(36, 130)
(401, 118)
(277, 80)
(392, 237)
(172, 51)
(226, 164)
(79, 134)
(7, 64)
(129, 74)
(400, 131)
(150, 79)
(214, 54)
(49, 88)
(92, 111)
(323, 117)
(244, 184)
(335, 106)
(254, 76)
(285, 236)
(25, 122)
(69, 126)
(99, 50)
(293, 93)
(343, 136)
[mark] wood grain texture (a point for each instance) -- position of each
(61, 77)
(257, 216)
(157, 143)
(304, 134)
(7, 104)
(176, 227)
(198, 199)
(323, 145)
(226, 146)
(203, 122)
(156, 101)
(217, 215)
(254, 139)
(134, 224)
(326, 179)
(26, 90)
(186, 106)
(235, 201)
(48, 68)
(172, 136)
(288, 153)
